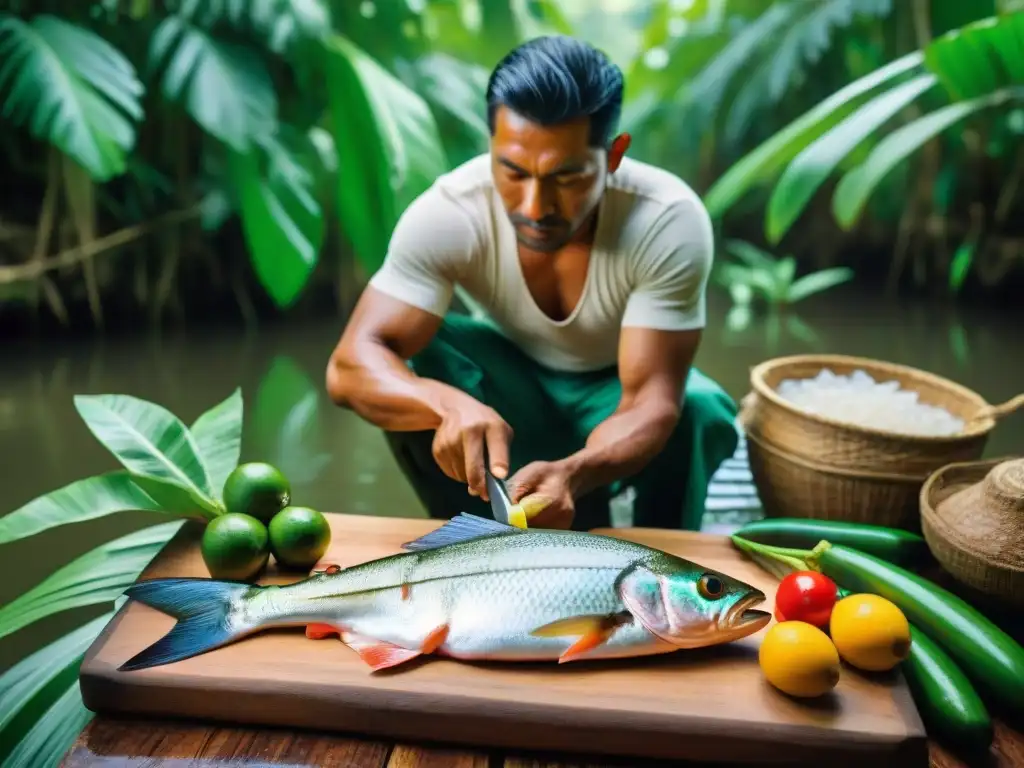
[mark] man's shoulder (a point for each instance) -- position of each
(470, 181)
(651, 188)
(652, 205)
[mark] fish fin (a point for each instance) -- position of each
(376, 653)
(574, 625)
(593, 630)
(320, 631)
(435, 639)
(202, 607)
(464, 527)
(586, 643)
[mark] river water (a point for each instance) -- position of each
(338, 463)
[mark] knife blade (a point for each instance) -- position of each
(501, 504)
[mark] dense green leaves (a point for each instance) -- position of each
(279, 22)
(218, 436)
(54, 732)
(148, 440)
(70, 88)
(98, 576)
(20, 684)
(74, 503)
(224, 86)
(764, 161)
(387, 143)
(282, 220)
(856, 186)
(812, 166)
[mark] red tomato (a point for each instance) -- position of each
(806, 596)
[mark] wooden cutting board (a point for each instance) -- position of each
(708, 704)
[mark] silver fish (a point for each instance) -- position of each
(474, 589)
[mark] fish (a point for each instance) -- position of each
(474, 589)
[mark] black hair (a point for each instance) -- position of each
(554, 79)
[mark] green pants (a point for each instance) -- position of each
(552, 413)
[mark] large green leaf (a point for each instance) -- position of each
(282, 221)
(28, 677)
(856, 186)
(148, 440)
(218, 436)
(768, 157)
(79, 501)
(388, 146)
(98, 576)
(54, 732)
(968, 60)
(810, 168)
(225, 87)
(71, 88)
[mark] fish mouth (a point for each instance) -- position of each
(742, 617)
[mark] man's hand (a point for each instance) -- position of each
(545, 491)
(467, 426)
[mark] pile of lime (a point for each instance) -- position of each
(258, 522)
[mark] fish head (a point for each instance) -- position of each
(690, 606)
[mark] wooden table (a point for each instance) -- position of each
(108, 742)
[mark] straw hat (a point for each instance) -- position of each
(972, 516)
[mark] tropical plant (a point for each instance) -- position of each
(169, 469)
(218, 111)
(975, 69)
(772, 279)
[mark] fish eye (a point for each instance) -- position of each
(710, 586)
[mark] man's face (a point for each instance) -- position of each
(549, 177)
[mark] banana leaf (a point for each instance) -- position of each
(149, 441)
(98, 576)
(71, 88)
(389, 150)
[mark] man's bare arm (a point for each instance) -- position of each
(653, 367)
(367, 371)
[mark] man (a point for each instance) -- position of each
(592, 269)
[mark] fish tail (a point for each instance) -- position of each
(206, 614)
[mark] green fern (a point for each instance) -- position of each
(72, 89)
(777, 46)
(807, 38)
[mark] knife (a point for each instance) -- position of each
(501, 504)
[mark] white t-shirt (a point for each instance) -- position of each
(649, 264)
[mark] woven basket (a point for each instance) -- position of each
(805, 465)
(972, 516)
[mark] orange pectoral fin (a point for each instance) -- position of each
(376, 653)
(591, 630)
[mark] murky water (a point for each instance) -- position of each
(335, 461)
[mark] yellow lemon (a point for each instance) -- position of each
(799, 659)
(870, 632)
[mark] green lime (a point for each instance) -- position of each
(299, 537)
(235, 546)
(257, 489)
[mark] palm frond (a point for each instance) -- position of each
(70, 88)
(808, 35)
